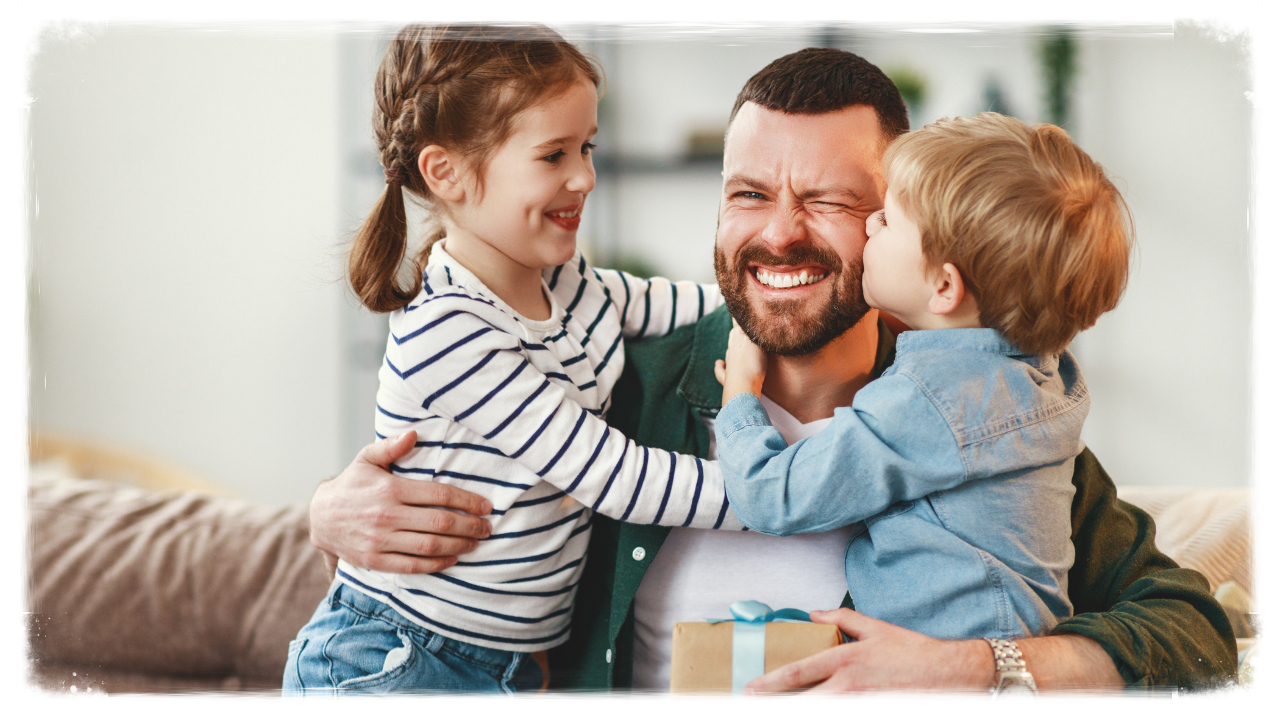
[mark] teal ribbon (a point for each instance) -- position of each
(749, 620)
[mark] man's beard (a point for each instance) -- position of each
(792, 327)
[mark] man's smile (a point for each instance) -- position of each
(784, 277)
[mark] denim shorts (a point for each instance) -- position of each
(355, 644)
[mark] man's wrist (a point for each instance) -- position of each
(974, 668)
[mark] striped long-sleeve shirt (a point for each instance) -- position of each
(512, 409)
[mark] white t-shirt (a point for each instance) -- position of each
(698, 573)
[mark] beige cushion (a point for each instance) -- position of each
(168, 583)
(1205, 529)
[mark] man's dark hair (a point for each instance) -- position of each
(817, 80)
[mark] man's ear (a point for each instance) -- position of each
(948, 290)
(441, 171)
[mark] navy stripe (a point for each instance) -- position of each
(400, 417)
(575, 360)
(555, 277)
(426, 286)
(697, 491)
(559, 375)
(648, 285)
(588, 385)
(635, 496)
(462, 445)
(530, 558)
(521, 580)
(461, 378)
(433, 323)
(724, 509)
(671, 478)
(533, 437)
(608, 355)
(393, 467)
(496, 615)
(626, 286)
(531, 502)
(458, 295)
(490, 480)
(467, 412)
(536, 530)
(607, 485)
(464, 632)
(448, 275)
(675, 305)
(581, 418)
(582, 286)
(519, 409)
(532, 346)
(604, 309)
(491, 590)
(434, 358)
(599, 446)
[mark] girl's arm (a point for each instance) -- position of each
(470, 372)
(868, 458)
(656, 306)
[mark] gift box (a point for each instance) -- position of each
(722, 655)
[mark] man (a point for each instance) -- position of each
(802, 173)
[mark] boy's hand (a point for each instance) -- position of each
(743, 366)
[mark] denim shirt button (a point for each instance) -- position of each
(608, 656)
(638, 554)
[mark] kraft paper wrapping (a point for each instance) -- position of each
(702, 653)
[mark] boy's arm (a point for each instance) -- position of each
(656, 306)
(868, 458)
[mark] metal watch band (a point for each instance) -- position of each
(1011, 669)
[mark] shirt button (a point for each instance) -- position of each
(637, 553)
(608, 656)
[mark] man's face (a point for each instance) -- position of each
(797, 193)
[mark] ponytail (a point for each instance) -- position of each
(376, 254)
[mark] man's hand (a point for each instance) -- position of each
(884, 656)
(374, 519)
(743, 366)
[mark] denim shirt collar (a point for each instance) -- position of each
(699, 386)
(982, 339)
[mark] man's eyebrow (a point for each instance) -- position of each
(743, 180)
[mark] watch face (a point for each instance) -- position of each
(1016, 683)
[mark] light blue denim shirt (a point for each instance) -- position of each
(956, 467)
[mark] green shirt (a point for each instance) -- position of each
(1156, 620)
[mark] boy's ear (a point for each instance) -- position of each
(948, 290)
(442, 174)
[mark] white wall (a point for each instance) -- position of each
(184, 299)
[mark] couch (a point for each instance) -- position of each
(148, 581)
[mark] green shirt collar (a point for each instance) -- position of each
(699, 386)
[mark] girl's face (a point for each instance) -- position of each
(894, 277)
(535, 185)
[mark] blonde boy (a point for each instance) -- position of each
(998, 242)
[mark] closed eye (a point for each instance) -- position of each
(554, 157)
(588, 147)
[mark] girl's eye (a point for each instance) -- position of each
(588, 147)
(554, 157)
(879, 217)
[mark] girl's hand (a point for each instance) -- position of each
(743, 366)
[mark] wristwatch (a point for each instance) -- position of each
(1012, 676)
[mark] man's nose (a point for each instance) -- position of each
(785, 228)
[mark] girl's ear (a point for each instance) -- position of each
(442, 174)
(948, 291)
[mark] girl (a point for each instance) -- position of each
(502, 354)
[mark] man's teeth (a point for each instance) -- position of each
(566, 214)
(780, 280)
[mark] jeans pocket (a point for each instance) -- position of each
(373, 657)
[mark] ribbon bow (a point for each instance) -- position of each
(749, 620)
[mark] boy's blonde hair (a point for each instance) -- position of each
(1039, 233)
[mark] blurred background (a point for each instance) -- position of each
(192, 191)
